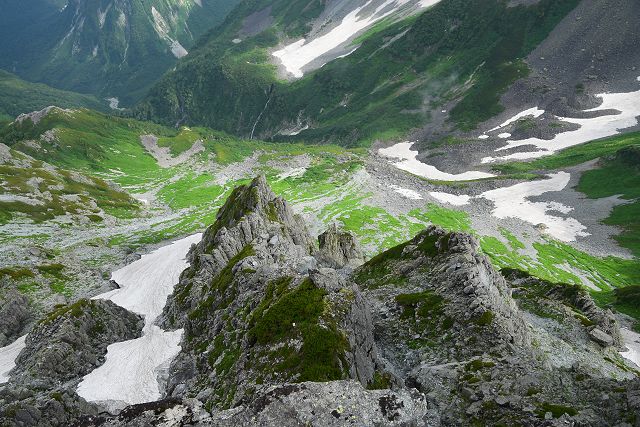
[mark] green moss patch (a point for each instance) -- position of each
(299, 313)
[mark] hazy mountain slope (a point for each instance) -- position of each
(18, 96)
(113, 48)
(398, 79)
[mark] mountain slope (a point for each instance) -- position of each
(18, 96)
(111, 48)
(400, 77)
(426, 333)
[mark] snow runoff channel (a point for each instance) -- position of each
(131, 372)
(297, 55)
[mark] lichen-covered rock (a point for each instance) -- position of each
(15, 316)
(67, 344)
(336, 403)
(72, 340)
(339, 249)
(601, 337)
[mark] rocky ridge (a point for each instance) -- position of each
(281, 330)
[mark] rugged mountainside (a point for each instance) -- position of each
(427, 333)
(111, 48)
(403, 73)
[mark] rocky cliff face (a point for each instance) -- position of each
(15, 315)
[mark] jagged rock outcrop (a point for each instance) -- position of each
(602, 324)
(336, 403)
(446, 322)
(72, 340)
(339, 249)
(15, 316)
(67, 344)
(259, 309)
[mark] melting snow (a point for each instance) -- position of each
(632, 342)
(628, 105)
(411, 164)
(535, 112)
(8, 356)
(451, 199)
(178, 50)
(513, 202)
(113, 103)
(292, 173)
(132, 368)
(297, 55)
(409, 194)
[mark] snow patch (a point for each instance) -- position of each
(297, 55)
(513, 202)
(632, 342)
(409, 194)
(411, 164)
(627, 105)
(113, 103)
(483, 137)
(131, 372)
(535, 112)
(8, 356)
(452, 199)
(178, 50)
(504, 135)
(292, 173)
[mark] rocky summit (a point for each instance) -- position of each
(281, 329)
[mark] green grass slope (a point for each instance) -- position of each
(18, 96)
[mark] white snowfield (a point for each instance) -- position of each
(632, 342)
(513, 202)
(627, 106)
(409, 194)
(131, 372)
(411, 164)
(451, 199)
(297, 55)
(8, 356)
(534, 112)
